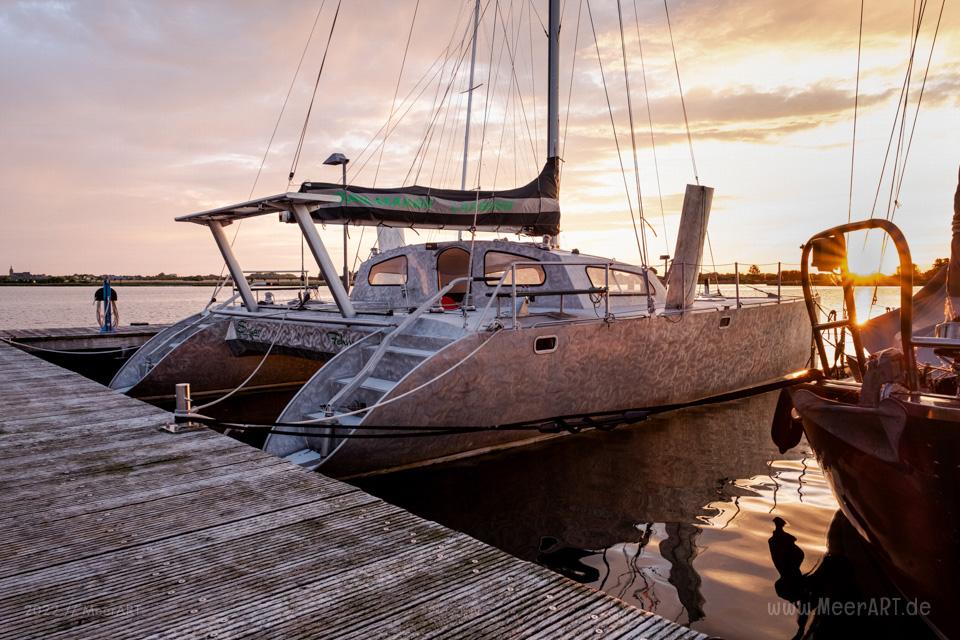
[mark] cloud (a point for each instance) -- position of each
(118, 116)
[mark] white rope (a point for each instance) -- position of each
(255, 371)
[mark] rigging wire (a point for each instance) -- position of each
(221, 280)
(539, 19)
(686, 120)
(286, 98)
(445, 57)
(573, 66)
(653, 143)
(893, 129)
(306, 120)
(396, 89)
(507, 105)
(683, 104)
(613, 125)
(916, 115)
(406, 105)
(491, 89)
(633, 136)
(516, 81)
(435, 109)
(923, 85)
(891, 202)
(533, 74)
(856, 104)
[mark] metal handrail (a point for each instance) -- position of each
(377, 355)
(566, 263)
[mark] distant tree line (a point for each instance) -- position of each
(791, 277)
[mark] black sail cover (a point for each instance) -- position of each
(533, 209)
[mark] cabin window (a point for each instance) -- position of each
(453, 263)
(496, 262)
(622, 282)
(389, 272)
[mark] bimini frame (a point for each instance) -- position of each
(289, 206)
(830, 250)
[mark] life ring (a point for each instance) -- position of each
(105, 301)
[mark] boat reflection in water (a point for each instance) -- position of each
(672, 515)
(847, 594)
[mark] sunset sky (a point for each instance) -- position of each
(117, 116)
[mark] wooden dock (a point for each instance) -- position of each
(111, 528)
(81, 338)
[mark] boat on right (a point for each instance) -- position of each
(884, 421)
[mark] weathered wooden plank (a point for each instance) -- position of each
(52, 441)
(49, 420)
(79, 499)
(131, 533)
(278, 559)
(114, 460)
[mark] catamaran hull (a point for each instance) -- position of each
(893, 470)
(597, 366)
(215, 360)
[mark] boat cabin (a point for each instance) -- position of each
(410, 275)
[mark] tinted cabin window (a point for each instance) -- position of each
(453, 263)
(496, 262)
(621, 282)
(392, 271)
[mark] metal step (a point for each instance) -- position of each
(405, 351)
(341, 421)
(307, 458)
(373, 384)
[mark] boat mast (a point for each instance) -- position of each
(553, 80)
(466, 133)
(553, 93)
(473, 65)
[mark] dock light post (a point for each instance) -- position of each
(342, 160)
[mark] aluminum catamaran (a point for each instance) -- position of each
(467, 332)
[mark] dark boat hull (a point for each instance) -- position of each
(894, 472)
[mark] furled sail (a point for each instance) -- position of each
(533, 209)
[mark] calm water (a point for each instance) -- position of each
(673, 514)
(48, 307)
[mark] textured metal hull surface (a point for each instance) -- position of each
(206, 361)
(894, 474)
(597, 366)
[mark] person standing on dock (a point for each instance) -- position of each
(105, 299)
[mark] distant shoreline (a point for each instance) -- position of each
(133, 283)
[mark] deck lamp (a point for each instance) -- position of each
(342, 160)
